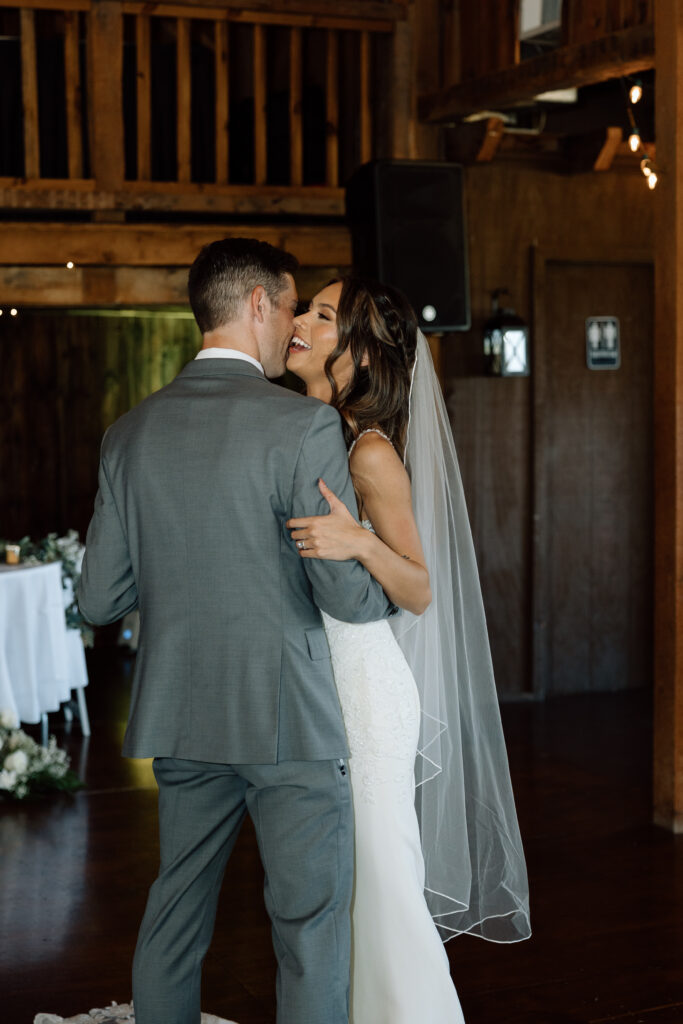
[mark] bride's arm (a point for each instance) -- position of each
(393, 555)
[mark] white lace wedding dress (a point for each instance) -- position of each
(399, 967)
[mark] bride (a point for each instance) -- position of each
(445, 858)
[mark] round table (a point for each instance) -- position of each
(41, 661)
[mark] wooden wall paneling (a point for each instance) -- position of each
(184, 98)
(474, 56)
(508, 208)
(540, 602)
(365, 120)
(426, 75)
(332, 109)
(613, 15)
(451, 58)
(637, 12)
(488, 37)
(143, 87)
(668, 605)
(260, 111)
(490, 428)
(597, 454)
(505, 30)
(29, 93)
(402, 109)
(72, 76)
(296, 138)
(587, 20)
(222, 127)
(105, 93)
(69, 377)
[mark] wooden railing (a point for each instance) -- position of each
(129, 75)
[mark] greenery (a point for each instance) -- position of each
(26, 768)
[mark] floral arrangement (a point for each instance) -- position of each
(26, 767)
(69, 551)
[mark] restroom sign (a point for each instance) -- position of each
(603, 350)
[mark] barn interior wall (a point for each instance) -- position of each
(510, 209)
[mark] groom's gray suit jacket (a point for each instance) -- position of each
(195, 487)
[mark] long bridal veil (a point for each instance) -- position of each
(476, 878)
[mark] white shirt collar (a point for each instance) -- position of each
(228, 353)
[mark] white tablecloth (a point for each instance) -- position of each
(41, 660)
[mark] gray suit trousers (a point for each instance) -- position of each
(303, 818)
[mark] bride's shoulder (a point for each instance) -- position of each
(373, 456)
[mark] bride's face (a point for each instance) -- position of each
(315, 337)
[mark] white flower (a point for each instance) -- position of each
(16, 762)
(8, 720)
(7, 780)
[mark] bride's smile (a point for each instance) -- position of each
(315, 339)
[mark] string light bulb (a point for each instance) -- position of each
(69, 265)
(646, 166)
(13, 311)
(652, 180)
(634, 142)
(635, 93)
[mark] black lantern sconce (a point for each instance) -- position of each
(506, 341)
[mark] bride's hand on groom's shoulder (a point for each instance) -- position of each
(337, 536)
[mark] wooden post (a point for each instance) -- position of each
(260, 112)
(221, 44)
(296, 139)
(402, 91)
(105, 93)
(365, 99)
(184, 93)
(72, 81)
(332, 115)
(29, 94)
(668, 421)
(143, 95)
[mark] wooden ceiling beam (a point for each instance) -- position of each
(171, 197)
(168, 245)
(621, 53)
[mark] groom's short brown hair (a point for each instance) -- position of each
(227, 271)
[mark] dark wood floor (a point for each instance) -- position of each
(606, 886)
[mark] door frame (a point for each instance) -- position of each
(540, 257)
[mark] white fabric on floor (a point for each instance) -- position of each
(117, 1013)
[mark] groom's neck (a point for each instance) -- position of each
(234, 336)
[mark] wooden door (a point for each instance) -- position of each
(593, 439)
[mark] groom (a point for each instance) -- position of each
(233, 693)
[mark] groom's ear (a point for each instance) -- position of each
(258, 302)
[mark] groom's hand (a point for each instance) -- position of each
(336, 536)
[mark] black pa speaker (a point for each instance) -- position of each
(408, 229)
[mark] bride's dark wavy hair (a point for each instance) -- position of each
(377, 320)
